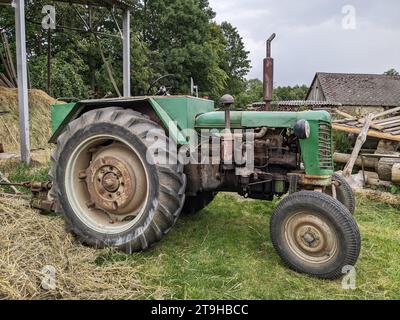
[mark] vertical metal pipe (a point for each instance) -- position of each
(227, 117)
(268, 77)
(127, 53)
(22, 80)
(49, 91)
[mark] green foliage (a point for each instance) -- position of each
(176, 37)
(341, 142)
(392, 72)
(67, 70)
(290, 93)
(253, 93)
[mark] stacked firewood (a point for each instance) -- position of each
(382, 166)
(384, 125)
(8, 79)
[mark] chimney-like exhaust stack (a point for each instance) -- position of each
(268, 78)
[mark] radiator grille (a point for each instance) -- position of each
(325, 146)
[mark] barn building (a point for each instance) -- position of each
(358, 94)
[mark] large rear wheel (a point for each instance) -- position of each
(315, 234)
(109, 186)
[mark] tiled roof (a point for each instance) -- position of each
(361, 89)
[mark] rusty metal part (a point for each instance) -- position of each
(268, 77)
(40, 196)
(261, 134)
(311, 237)
(312, 180)
(115, 182)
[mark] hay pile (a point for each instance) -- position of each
(379, 196)
(29, 241)
(40, 119)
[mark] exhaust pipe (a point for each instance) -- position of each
(268, 78)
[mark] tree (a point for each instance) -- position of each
(392, 72)
(253, 93)
(176, 37)
(235, 60)
(290, 93)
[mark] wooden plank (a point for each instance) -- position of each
(390, 124)
(362, 137)
(5, 80)
(373, 126)
(9, 57)
(392, 129)
(387, 120)
(2, 84)
(385, 113)
(371, 133)
(345, 115)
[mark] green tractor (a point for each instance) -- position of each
(121, 179)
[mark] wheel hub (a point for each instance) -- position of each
(113, 179)
(310, 237)
(111, 182)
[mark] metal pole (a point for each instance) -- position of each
(49, 91)
(127, 53)
(22, 80)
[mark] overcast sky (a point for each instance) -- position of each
(314, 35)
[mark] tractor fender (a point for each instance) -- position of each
(144, 105)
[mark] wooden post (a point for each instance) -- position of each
(126, 26)
(22, 81)
(348, 170)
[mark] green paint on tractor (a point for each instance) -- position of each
(178, 113)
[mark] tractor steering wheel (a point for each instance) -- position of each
(163, 90)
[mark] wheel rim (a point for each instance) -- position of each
(311, 237)
(106, 184)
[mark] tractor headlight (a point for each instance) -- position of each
(302, 129)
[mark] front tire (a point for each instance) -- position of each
(344, 193)
(315, 234)
(110, 193)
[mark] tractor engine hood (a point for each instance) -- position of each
(256, 119)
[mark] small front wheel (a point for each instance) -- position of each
(314, 233)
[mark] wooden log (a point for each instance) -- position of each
(392, 129)
(387, 112)
(396, 133)
(385, 168)
(396, 173)
(373, 126)
(345, 158)
(13, 73)
(371, 133)
(379, 183)
(385, 121)
(6, 81)
(362, 137)
(2, 83)
(388, 124)
(345, 115)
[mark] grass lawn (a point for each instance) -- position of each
(225, 252)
